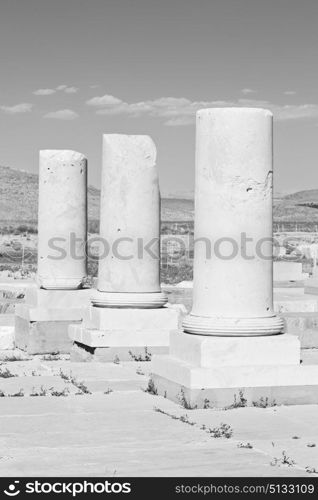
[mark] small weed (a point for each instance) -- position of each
(108, 391)
(222, 431)
(72, 380)
(139, 357)
(184, 402)
(311, 445)
(2, 394)
(248, 446)
(6, 373)
(284, 460)
(42, 392)
(81, 386)
(183, 418)
(116, 360)
(64, 376)
(295, 437)
(19, 394)
(151, 388)
(55, 392)
(264, 403)
(239, 402)
(206, 404)
(12, 358)
(51, 357)
(311, 470)
(139, 371)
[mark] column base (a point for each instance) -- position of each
(239, 327)
(41, 324)
(129, 300)
(229, 373)
(129, 335)
(60, 283)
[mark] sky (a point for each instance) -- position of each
(72, 70)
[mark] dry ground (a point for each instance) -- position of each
(59, 418)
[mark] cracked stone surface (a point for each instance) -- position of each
(104, 423)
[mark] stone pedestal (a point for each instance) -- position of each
(129, 319)
(124, 334)
(232, 351)
(41, 324)
(220, 372)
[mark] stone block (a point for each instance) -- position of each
(42, 337)
(135, 320)
(234, 386)
(288, 271)
(212, 351)
(125, 333)
(6, 337)
(58, 299)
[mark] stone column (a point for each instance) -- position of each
(233, 275)
(62, 220)
(129, 267)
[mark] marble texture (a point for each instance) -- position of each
(233, 286)
(129, 224)
(62, 219)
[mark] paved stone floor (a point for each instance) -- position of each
(89, 419)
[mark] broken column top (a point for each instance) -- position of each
(61, 155)
(138, 150)
(234, 110)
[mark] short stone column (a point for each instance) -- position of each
(129, 266)
(62, 220)
(233, 275)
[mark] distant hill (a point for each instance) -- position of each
(19, 195)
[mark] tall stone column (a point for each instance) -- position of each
(62, 220)
(129, 266)
(233, 275)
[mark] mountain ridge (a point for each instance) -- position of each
(19, 199)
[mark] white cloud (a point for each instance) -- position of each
(44, 92)
(105, 100)
(248, 91)
(64, 88)
(70, 90)
(62, 114)
(23, 107)
(289, 92)
(67, 89)
(179, 111)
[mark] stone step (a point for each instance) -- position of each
(308, 338)
(284, 303)
(309, 356)
(296, 321)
